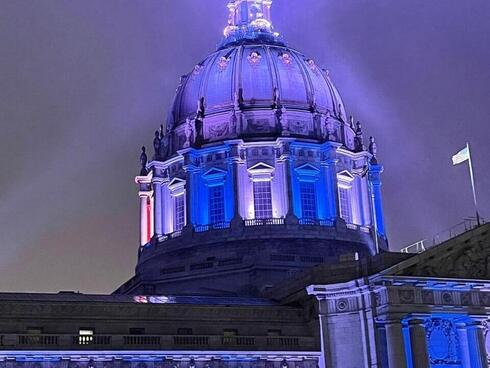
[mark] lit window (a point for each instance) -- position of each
(262, 199)
(345, 206)
(216, 204)
(308, 200)
(179, 214)
(85, 336)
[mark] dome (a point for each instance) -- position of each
(259, 174)
(256, 76)
(254, 86)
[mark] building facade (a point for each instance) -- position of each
(262, 240)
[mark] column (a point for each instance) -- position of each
(395, 345)
(158, 205)
(145, 226)
(463, 344)
(330, 171)
(322, 318)
(418, 344)
(188, 198)
(235, 161)
(190, 188)
(476, 343)
(287, 162)
(375, 186)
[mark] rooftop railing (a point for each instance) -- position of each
(84, 342)
(443, 236)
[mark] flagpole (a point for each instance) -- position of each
(473, 184)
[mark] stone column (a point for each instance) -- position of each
(145, 226)
(375, 172)
(395, 345)
(330, 171)
(463, 344)
(476, 343)
(235, 161)
(190, 188)
(322, 318)
(418, 344)
(287, 161)
(158, 206)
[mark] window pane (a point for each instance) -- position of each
(345, 208)
(262, 199)
(179, 212)
(216, 204)
(308, 200)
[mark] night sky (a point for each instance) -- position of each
(83, 84)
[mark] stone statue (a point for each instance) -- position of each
(373, 150)
(188, 130)
(236, 102)
(330, 130)
(200, 108)
(340, 112)
(157, 142)
(313, 103)
(283, 119)
(143, 162)
(276, 98)
(359, 139)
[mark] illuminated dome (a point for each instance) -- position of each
(258, 176)
(256, 76)
(254, 85)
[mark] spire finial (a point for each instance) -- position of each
(249, 20)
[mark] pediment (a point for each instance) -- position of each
(466, 256)
(345, 175)
(214, 172)
(308, 169)
(176, 182)
(261, 167)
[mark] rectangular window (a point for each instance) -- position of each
(262, 199)
(179, 219)
(85, 336)
(308, 200)
(216, 204)
(345, 208)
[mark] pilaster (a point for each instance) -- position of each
(476, 343)
(418, 344)
(395, 345)
(374, 177)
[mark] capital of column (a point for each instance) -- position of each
(375, 172)
(144, 194)
(416, 322)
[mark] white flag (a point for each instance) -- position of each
(461, 156)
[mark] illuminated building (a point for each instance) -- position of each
(262, 240)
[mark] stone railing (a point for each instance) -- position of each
(100, 342)
(251, 228)
(263, 222)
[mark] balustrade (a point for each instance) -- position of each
(83, 342)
